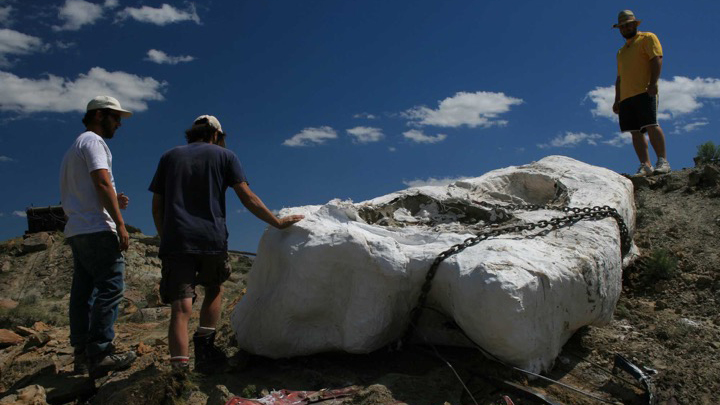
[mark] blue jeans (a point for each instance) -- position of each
(96, 291)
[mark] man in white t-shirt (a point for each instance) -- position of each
(96, 233)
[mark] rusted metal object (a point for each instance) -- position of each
(621, 363)
(45, 219)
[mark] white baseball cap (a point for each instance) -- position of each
(207, 121)
(111, 103)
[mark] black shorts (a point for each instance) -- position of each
(638, 112)
(182, 272)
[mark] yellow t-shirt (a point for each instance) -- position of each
(633, 63)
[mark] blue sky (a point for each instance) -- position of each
(337, 99)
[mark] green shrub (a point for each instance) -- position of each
(27, 314)
(250, 391)
(661, 265)
(28, 300)
(621, 311)
(708, 152)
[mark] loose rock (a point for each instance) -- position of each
(9, 338)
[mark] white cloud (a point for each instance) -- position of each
(604, 98)
(570, 140)
(620, 139)
(309, 136)
(20, 214)
(680, 96)
(56, 94)
(76, 13)
(111, 3)
(5, 15)
(164, 15)
(64, 45)
(472, 109)
(161, 57)
(690, 127)
(17, 43)
(392, 149)
(433, 181)
(6, 159)
(365, 115)
(419, 137)
(365, 134)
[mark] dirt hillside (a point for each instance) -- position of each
(667, 323)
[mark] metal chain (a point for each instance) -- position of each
(578, 214)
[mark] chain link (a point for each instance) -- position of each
(575, 214)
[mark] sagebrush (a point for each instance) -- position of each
(708, 152)
(661, 265)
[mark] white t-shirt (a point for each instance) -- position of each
(79, 198)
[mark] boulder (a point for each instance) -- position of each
(347, 277)
(37, 339)
(23, 331)
(36, 242)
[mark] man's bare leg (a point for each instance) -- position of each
(657, 140)
(211, 307)
(640, 144)
(178, 330)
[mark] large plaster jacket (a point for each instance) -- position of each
(346, 277)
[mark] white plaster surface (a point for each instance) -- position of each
(334, 282)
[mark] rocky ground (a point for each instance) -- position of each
(666, 322)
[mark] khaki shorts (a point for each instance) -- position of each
(182, 272)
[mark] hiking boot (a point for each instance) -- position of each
(209, 359)
(80, 362)
(100, 366)
(644, 170)
(662, 166)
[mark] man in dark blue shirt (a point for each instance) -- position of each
(189, 212)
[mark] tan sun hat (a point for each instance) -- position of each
(101, 102)
(626, 16)
(207, 121)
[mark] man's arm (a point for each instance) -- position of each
(255, 205)
(616, 104)
(109, 201)
(655, 69)
(158, 212)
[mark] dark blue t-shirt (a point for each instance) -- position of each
(193, 179)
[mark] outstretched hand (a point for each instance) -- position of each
(289, 220)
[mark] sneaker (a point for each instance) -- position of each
(80, 362)
(101, 366)
(644, 170)
(662, 166)
(209, 359)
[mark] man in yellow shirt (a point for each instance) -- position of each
(636, 92)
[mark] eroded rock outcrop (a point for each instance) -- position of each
(347, 277)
